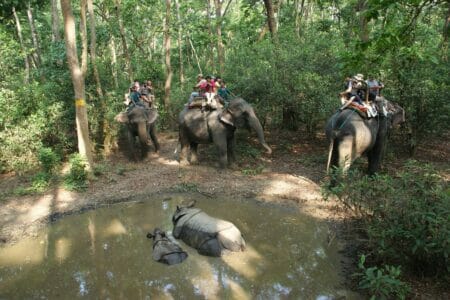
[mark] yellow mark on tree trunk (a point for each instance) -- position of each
(79, 102)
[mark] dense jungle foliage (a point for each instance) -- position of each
(288, 58)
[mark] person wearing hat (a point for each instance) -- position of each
(198, 88)
(354, 91)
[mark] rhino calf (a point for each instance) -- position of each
(210, 236)
(164, 250)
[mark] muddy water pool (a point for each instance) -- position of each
(104, 254)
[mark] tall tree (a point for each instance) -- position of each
(84, 142)
(169, 74)
(180, 50)
(56, 37)
(22, 46)
(34, 36)
(271, 22)
(124, 41)
(220, 49)
(93, 47)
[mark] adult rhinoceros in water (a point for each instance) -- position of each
(210, 236)
(164, 250)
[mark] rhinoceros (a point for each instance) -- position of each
(210, 236)
(164, 250)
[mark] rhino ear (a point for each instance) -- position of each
(163, 234)
(178, 208)
(150, 236)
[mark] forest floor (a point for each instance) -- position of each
(292, 175)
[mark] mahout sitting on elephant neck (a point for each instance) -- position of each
(209, 235)
(164, 250)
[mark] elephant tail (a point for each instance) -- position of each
(330, 151)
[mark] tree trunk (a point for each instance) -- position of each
(210, 55)
(112, 49)
(56, 37)
(83, 34)
(167, 57)
(22, 46)
(34, 37)
(299, 16)
(220, 49)
(84, 143)
(180, 51)
(363, 28)
(196, 56)
(446, 33)
(271, 22)
(124, 41)
(93, 46)
(104, 132)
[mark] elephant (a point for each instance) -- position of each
(218, 127)
(210, 236)
(164, 250)
(352, 135)
(140, 123)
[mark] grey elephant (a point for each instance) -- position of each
(140, 123)
(352, 135)
(210, 236)
(218, 127)
(164, 250)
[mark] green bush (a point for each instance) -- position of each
(381, 283)
(77, 177)
(40, 182)
(48, 159)
(406, 217)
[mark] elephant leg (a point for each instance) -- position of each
(184, 143)
(132, 151)
(194, 154)
(374, 157)
(152, 133)
(143, 139)
(346, 154)
(231, 143)
(222, 150)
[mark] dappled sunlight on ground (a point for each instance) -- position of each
(40, 209)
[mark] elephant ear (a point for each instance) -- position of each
(122, 117)
(226, 117)
(152, 116)
(396, 113)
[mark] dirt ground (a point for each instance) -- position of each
(290, 176)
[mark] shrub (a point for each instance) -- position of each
(406, 217)
(48, 159)
(381, 283)
(77, 177)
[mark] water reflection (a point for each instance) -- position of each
(105, 254)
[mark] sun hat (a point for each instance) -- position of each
(359, 76)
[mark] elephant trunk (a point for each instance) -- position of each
(256, 125)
